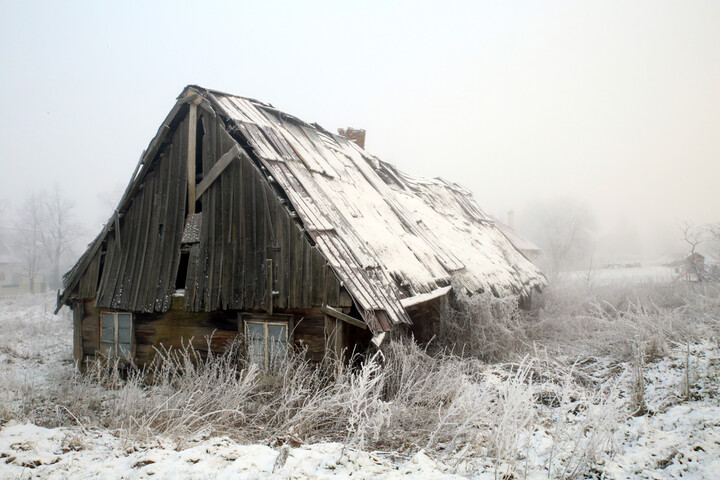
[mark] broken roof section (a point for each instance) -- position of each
(387, 236)
(393, 240)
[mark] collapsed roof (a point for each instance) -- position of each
(387, 236)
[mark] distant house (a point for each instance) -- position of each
(242, 219)
(13, 279)
(8, 268)
(526, 247)
(691, 269)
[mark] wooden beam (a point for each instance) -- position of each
(192, 143)
(424, 297)
(191, 97)
(341, 316)
(117, 230)
(216, 170)
(78, 313)
(140, 170)
(269, 266)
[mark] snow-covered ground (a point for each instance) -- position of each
(626, 275)
(678, 438)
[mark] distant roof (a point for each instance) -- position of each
(522, 243)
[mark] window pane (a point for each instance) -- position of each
(255, 343)
(278, 333)
(124, 320)
(277, 346)
(107, 327)
(255, 330)
(108, 320)
(124, 335)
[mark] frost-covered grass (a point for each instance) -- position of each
(615, 381)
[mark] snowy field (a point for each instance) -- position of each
(601, 384)
(624, 275)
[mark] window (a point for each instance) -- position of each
(116, 334)
(266, 343)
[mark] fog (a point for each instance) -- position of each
(614, 105)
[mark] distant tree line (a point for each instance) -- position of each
(564, 228)
(41, 234)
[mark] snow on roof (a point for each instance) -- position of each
(387, 235)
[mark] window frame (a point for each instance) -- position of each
(265, 320)
(115, 343)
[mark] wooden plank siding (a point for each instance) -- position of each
(244, 223)
(178, 327)
(78, 312)
(425, 317)
(87, 286)
(140, 277)
(90, 328)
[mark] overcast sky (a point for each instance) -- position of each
(613, 102)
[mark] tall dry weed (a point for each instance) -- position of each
(483, 326)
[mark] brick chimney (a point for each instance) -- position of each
(356, 135)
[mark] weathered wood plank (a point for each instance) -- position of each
(87, 288)
(78, 313)
(144, 207)
(217, 169)
(309, 334)
(153, 248)
(111, 270)
(170, 226)
(345, 318)
(90, 328)
(191, 145)
(191, 283)
(141, 169)
(134, 223)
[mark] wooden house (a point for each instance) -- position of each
(526, 246)
(692, 268)
(240, 218)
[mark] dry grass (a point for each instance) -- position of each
(562, 374)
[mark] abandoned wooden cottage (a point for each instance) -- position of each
(240, 218)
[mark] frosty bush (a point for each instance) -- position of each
(483, 326)
(507, 392)
(611, 320)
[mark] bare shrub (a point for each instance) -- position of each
(565, 381)
(610, 320)
(482, 326)
(583, 426)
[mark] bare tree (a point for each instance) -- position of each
(28, 235)
(714, 234)
(59, 232)
(694, 236)
(564, 228)
(713, 231)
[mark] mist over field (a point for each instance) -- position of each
(610, 105)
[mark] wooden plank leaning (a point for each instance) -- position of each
(140, 171)
(216, 170)
(341, 316)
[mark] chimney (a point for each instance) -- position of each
(356, 135)
(511, 220)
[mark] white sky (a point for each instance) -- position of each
(614, 102)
